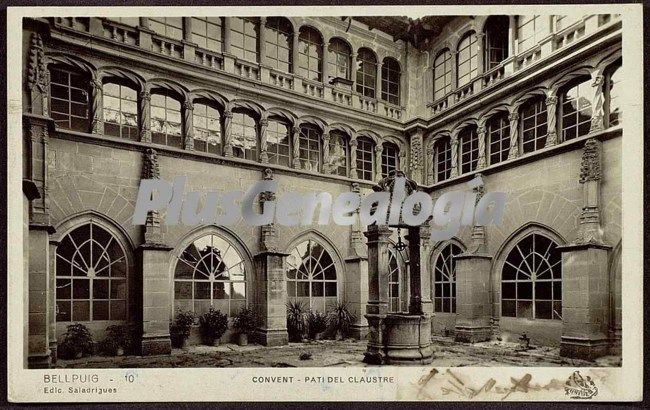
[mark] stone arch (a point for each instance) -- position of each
(565, 79)
(209, 95)
(78, 219)
(463, 123)
(282, 114)
(168, 85)
(604, 64)
(312, 120)
(369, 134)
(344, 128)
(73, 61)
(111, 72)
(523, 97)
(491, 111)
(466, 33)
(440, 50)
(256, 109)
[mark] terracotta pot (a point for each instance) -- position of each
(243, 339)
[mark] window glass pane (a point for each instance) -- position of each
(69, 99)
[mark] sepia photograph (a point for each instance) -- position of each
(360, 194)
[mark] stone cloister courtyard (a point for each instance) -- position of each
(340, 353)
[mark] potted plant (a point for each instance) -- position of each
(316, 324)
(212, 324)
(77, 342)
(340, 318)
(119, 339)
(295, 321)
(179, 329)
(244, 322)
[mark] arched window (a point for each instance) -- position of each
(442, 74)
(444, 279)
(310, 147)
(171, 27)
(498, 129)
(442, 149)
(467, 63)
(531, 284)
(244, 32)
(210, 273)
(575, 109)
(390, 81)
(366, 73)
(311, 276)
(279, 143)
(166, 119)
(120, 107)
(613, 95)
(530, 31)
(468, 149)
(365, 158)
(91, 276)
(69, 91)
(339, 58)
(279, 43)
(394, 291)
(310, 54)
(207, 33)
(389, 158)
(244, 135)
(339, 153)
(207, 128)
(496, 40)
(533, 124)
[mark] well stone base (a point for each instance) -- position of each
(585, 349)
(407, 339)
(156, 345)
(271, 337)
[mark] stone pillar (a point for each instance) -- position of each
(353, 158)
(52, 301)
(424, 249)
(38, 297)
(454, 153)
(356, 287)
(295, 140)
(145, 116)
(480, 56)
(415, 277)
(454, 70)
(97, 107)
(189, 49)
(144, 34)
(514, 134)
(295, 53)
(188, 125)
(379, 149)
(353, 70)
(378, 80)
(227, 133)
(551, 107)
(597, 103)
(473, 309)
(482, 137)
(264, 135)
(430, 163)
(262, 40)
(512, 27)
(585, 271)
(377, 307)
(227, 22)
(417, 162)
(326, 150)
(325, 68)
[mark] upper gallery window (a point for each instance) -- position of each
(279, 143)
(69, 99)
(166, 119)
(208, 33)
(171, 27)
(244, 32)
(244, 136)
(442, 74)
(279, 43)
(339, 58)
(207, 128)
(389, 158)
(562, 21)
(120, 106)
(533, 124)
(467, 59)
(310, 54)
(366, 73)
(529, 31)
(575, 109)
(365, 158)
(496, 40)
(498, 129)
(390, 81)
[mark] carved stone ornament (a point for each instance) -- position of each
(150, 166)
(590, 167)
(37, 74)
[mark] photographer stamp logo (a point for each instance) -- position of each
(578, 387)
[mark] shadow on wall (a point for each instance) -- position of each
(540, 332)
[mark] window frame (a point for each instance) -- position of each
(234, 32)
(272, 36)
(288, 145)
(501, 131)
(365, 145)
(533, 102)
(310, 133)
(135, 133)
(391, 75)
(251, 154)
(204, 36)
(200, 102)
(387, 157)
(472, 46)
(447, 67)
(305, 38)
(561, 115)
(169, 29)
(366, 79)
(444, 277)
(82, 77)
(341, 51)
(344, 137)
(168, 95)
(446, 171)
(470, 133)
(608, 86)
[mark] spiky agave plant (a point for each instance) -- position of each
(296, 325)
(341, 318)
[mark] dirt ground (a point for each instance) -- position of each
(344, 353)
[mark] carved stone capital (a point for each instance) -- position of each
(145, 96)
(590, 166)
(551, 100)
(188, 106)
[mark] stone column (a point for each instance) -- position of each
(356, 276)
(417, 161)
(264, 135)
(188, 125)
(514, 134)
(227, 133)
(326, 150)
(353, 70)
(454, 153)
(512, 27)
(145, 116)
(38, 297)
(377, 307)
(597, 103)
(430, 163)
(378, 80)
(585, 271)
(144, 22)
(473, 307)
(325, 68)
(415, 277)
(262, 40)
(424, 248)
(295, 53)
(482, 137)
(227, 22)
(189, 49)
(379, 149)
(353, 158)
(97, 107)
(551, 107)
(454, 70)
(295, 140)
(52, 301)
(144, 33)
(480, 54)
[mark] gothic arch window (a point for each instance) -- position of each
(444, 279)
(442, 149)
(531, 279)
(166, 118)
(120, 108)
(279, 143)
(207, 127)
(310, 54)
(171, 27)
(498, 131)
(309, 141)
(279, 43)
(365, 158)
(210, 272)
(467, 59)
(496, 41)
(468, 145)
(442, 74)
(394, 283)
(312, 276)
(91, 276)
(339, 58)
(69, 98)
(366, 73)
(339, 153)
(207, 33)
(244, 34)
(613, 77)
(390, 81)
(534, 126)
(389, 158)
(575, 108)
(244, 135)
